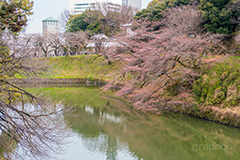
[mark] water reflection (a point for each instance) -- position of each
(104, 127)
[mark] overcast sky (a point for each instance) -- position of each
(44, 8)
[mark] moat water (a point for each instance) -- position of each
(104, 127)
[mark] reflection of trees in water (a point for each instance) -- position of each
(148, 137)
(112, 149)
(88, 122)
(38, 137)
(106, 122)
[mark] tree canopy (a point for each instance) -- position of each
(88, 20)
(13, 14)
(155, 9)
(77, 23)
(220, 16)
(102, 19)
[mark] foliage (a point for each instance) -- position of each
(153, 13)
(89, 20)
(219, 15)
(103, 19)
(155, 9)
(13, 14)
(93, 18)
(153, 3)
(77, 23)
(144, 13)
(219, 85)
(110, 24)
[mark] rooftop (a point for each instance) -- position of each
(50, 19)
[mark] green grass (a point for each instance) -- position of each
(220, 84)
(235, 57)
(84, 66)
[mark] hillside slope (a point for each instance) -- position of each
(84, 66)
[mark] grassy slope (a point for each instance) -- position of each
(209, 104)
(84, 66)
(216, 95)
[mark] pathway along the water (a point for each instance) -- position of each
(103, 127)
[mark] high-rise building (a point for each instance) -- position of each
(79, 6)
(49, 26)
(134, 3)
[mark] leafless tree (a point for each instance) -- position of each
(113, 16)
(63, 20)
(127, 13)
(26, 122)
(75, 42)
(45, 43)
(21, 44)
(102, 45)
(55, 41)
(107, 7)
(184, 20)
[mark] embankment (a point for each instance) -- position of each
(215, 96)
(85, 69)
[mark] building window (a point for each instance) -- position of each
(81, 8)
(83, 4)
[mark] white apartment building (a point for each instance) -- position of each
(134, 3)
(79, 6)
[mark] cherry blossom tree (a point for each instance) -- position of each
(168, 58)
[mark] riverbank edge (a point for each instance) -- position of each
(222, 116)
(60, 80)
(225, 116)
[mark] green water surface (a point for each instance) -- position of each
(105, 127)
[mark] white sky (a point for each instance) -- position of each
(44, 8)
